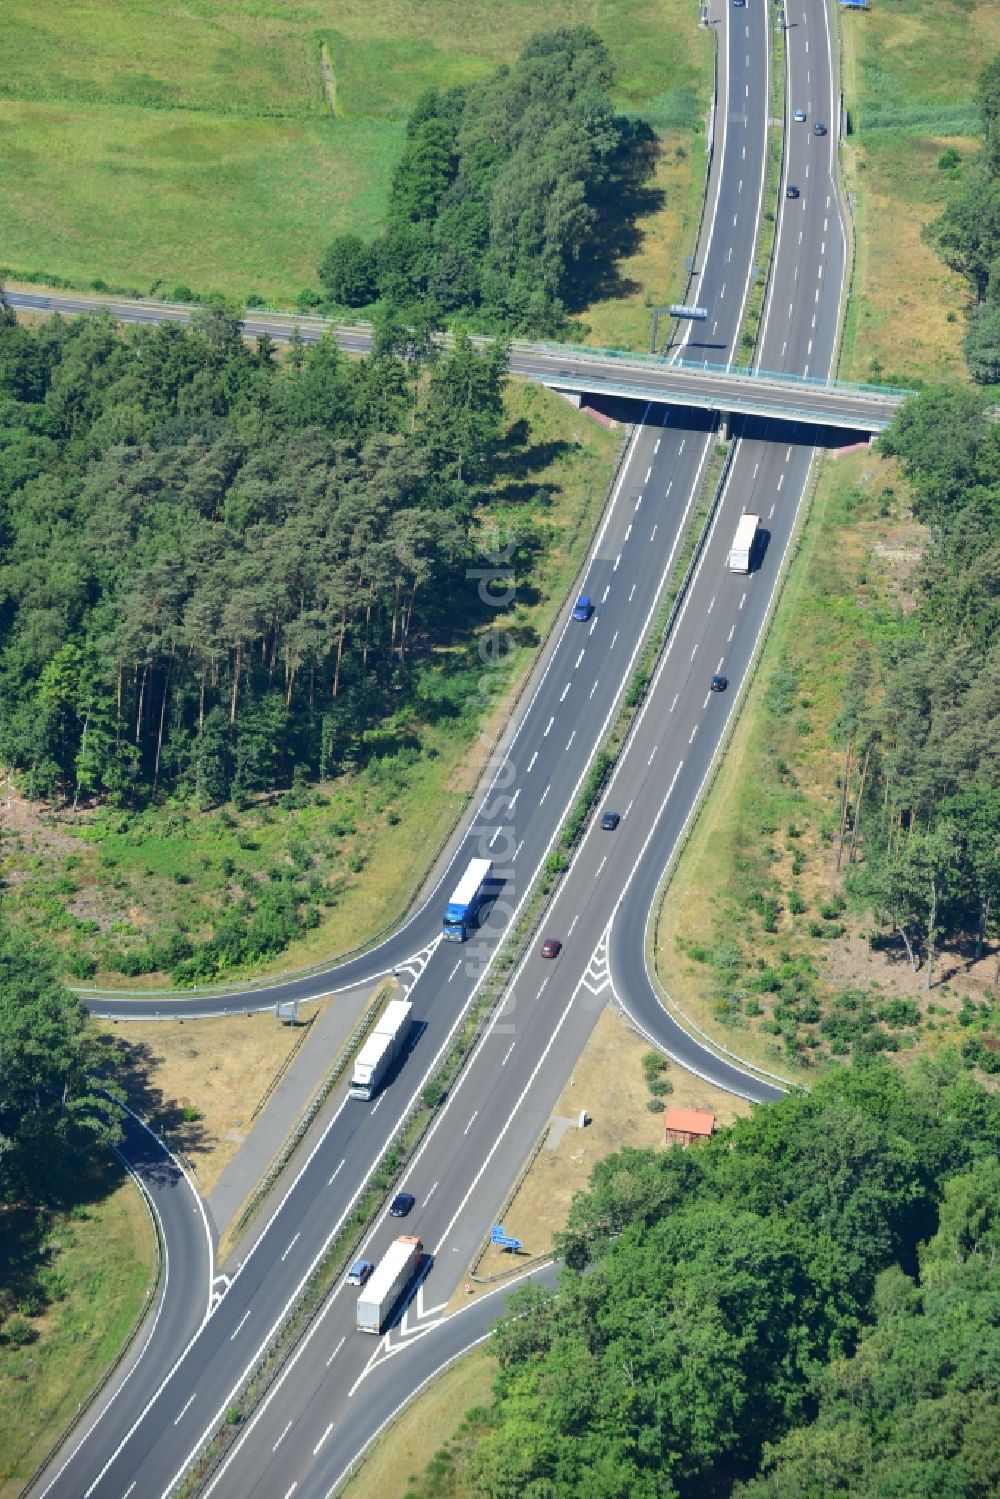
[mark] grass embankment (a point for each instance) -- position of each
(755, 943)
(108, 882)
(908, 73)
(144, 146)
(95, 1267)
(424, 1431)
(199, 1084)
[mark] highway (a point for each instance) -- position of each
(300, 1439)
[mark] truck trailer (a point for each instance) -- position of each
(742, 549)
(463, 908)
(383, 1046)
(395, 1271)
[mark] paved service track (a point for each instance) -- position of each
(504, 1095)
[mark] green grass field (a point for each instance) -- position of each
(98, 1264)
(909, 74)
(144, 143)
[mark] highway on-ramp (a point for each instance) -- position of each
(502, 1099)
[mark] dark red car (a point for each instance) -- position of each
(551, 947)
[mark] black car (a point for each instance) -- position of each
(791, 191)
(719, 683)
(819, 129)
(401, 1204)
(610, 821)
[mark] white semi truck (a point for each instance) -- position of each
(385, 1286)
(742, 549)
(383, 1046)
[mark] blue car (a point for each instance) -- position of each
(583, 608)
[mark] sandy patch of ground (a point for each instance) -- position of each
(199, 1083)
(608, 1083)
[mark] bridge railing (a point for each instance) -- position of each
(582, 353)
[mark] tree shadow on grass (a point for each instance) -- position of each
(616, 235)
(165, 1116)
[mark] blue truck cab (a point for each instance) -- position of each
(583, 608)
(469, 894)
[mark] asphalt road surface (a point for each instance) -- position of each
(506, 1092)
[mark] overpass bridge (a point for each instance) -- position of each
(571, 368)
(711, 387)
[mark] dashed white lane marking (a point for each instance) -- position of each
(628, 808)
(130, 1488)
(457, 965)
(820, 273)
(692, 734)
(339, 1169)
(592, 691)
(513, 800)
(650, 760)
(600, 867)
(784, 346)
(828, 201)
(291, 1246)
(822, 248)
(825, 222)
(542, 989)
(673, 705)
(562, 695)
(732, 631)
(817, 292)
(378, 1105)
(648, 472)
(669, 487)
(628, 533)
(493, 840)
(810, 348)
(548, 727)
(683, 440)
(756, 468)
(617, 560)
(791, 308)
(638, 502)
(532, 760)
(705, 703)
(233, 1335)
(734, 220)
(604, 596)
(339, 1346)
(322, 1439)
(800, 236)
(712, 604)
(507, 1054)
(814, 320)
(186, 1408)
(657, 448)
(569, 741)
(291, 1488)
(471, 1122)
(430, 1194)
(518, 850)
(613, 639)
(693, 651)
(631, 593)
(652, 533)
(544, 794)
(594, 625)
(576, 665)
(781, 480)
(739, 188)
(719, 667)
(788, 455)
(743, 601)
(807, 169)
(715, 329)
(770, 513)
(573, 923)
(278, 1444)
